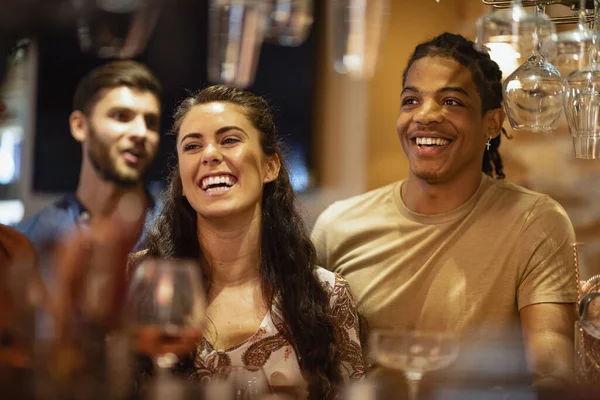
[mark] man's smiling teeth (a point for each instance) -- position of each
(432, 141)
(220, 180)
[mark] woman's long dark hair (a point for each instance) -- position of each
(486, 75)
(287, 256)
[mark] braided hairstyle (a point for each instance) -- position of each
(486, 74)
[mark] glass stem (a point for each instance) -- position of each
(413, 379)
(582, 22)
(163, 365)
(165, 384)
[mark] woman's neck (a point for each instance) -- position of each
(232, 249)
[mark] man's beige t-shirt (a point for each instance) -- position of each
(470, 270)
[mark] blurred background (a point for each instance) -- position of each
(339, 130)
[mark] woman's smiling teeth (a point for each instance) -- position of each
(429, 141)
(217, 182)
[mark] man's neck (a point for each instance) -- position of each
(100, 197)
(438, 198)
(232, 248)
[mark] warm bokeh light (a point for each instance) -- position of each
(505, 55)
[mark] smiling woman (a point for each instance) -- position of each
(221, 162)
(230, 205)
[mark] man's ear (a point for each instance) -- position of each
(79, 126)
(493, 121)
(273, 165)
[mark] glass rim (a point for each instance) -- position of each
(415, 332)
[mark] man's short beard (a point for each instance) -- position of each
(108, 173)
(100, 158)
(428, 176)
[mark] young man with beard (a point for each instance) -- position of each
(451, 248)
(116, 119)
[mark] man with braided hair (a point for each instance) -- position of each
(455, 247)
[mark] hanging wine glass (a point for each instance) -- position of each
(571, 50)
(358, 26)
(513, 34)
(115, 28)
(236, 33)
(533, 92)
(288, 21)
(582, 104)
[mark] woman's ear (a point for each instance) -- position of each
(493, 120)
(78, 124)
(273, 165)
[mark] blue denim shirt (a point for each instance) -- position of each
(58, 218)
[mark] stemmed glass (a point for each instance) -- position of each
(115, 29)
(571, 50)
(582, 102)
(236, 34)
(533, 92)
(239, 382)
(288, 21)
(414, 353)
(587, 332)
(165, 310)
(590, 314)
(513, 33)
(357, 30)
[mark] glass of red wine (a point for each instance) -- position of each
(165, 310)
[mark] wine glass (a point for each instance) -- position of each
(571, 50)
(239, 382)
(581, 102)
(414, 353)
(589, 309)
(512, 34)
(357, 27)
(587, 332)
(115, 29)
(288, 21)
(589, 306)
(533, 92)
(165, 310)
(236, 34)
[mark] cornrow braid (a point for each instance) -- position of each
(486, 74)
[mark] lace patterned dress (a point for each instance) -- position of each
(269, 349)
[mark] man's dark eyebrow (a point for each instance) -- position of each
(409, 89)
(121, 108)
(442, 90)
(454, 89)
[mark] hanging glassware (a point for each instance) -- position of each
(571, 50)
(115, 28)
(236, 33)
(512, 34)
(533, 92)
(288, 21)
(358, 27)
(582, 104)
